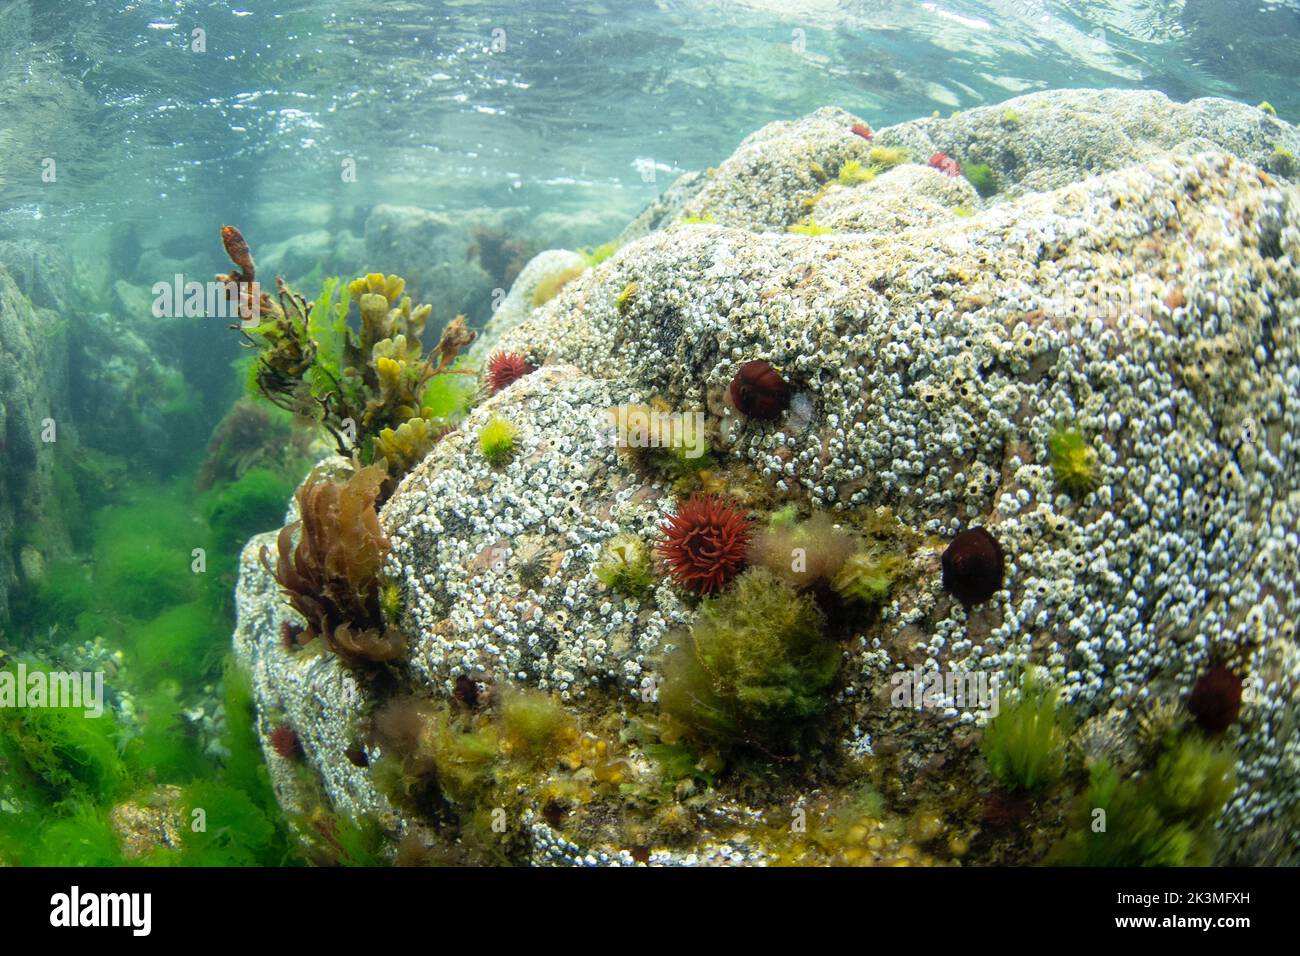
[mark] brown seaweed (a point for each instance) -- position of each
(332, 575)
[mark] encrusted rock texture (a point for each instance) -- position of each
(33, 388)
(1134, 278)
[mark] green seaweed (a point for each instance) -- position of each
(83, 838)
(255, 502)
(853, 173)
(497, 440)
(755, 667)
(143, 553)
(550, 285)
(1283, 162)
(595, 256)
(1163, 817)
(1074, 462)
(887, 156)
(450, 397)
(982, 177)
(809, 228)
(223, 826)
(623, 301)
(58, 756)
(184, 643)
(166, 749)
(624, 566)
(1024, 745)
(868, 575)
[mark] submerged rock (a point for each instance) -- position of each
(1154, 308)
(33, 383)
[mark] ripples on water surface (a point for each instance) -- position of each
(146, 130)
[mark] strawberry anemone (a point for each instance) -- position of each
(705, 543)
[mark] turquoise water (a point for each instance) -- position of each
(449, 143)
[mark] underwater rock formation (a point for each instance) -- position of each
(929, 367)
(518, 304)
(33, 392)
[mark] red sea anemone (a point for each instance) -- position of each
(284, 739)
(705, 543)
(973, 566)
(945, 164)
(289, 634)
(506, 368)
(1215, 700)
(759, 391)
(862, 129)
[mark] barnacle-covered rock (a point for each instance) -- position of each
(1154, 308)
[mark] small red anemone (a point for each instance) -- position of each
(506, 368)
(705, 544)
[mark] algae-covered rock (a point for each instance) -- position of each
(518, 304)
(1048, 139)
(33, 383)
(1152, 310)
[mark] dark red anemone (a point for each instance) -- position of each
(506, 368)
(286, 743)
(862, 129)
(759, 391)
(289, 634)
(1215, 700)
(945, 164)
(705, 543)
(973, 566)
